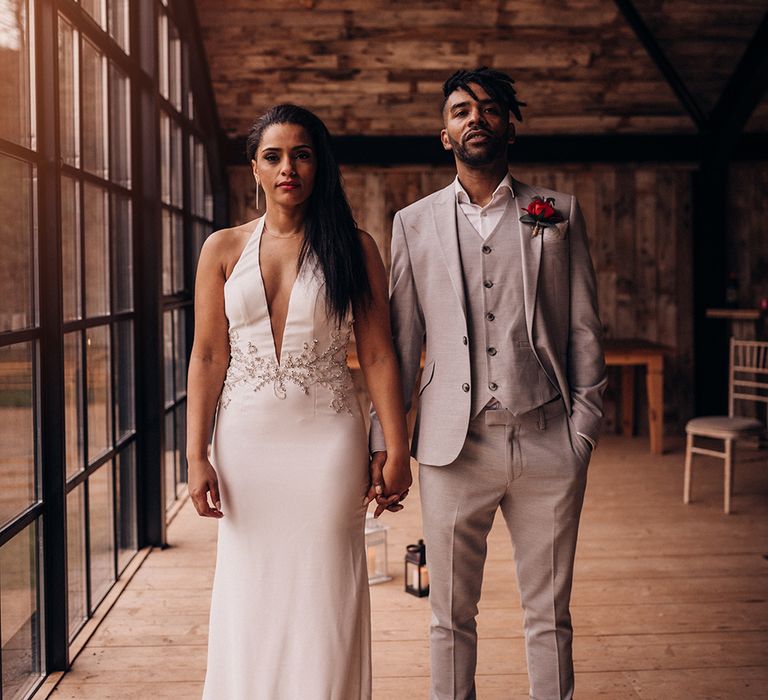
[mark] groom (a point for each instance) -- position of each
(495, 276)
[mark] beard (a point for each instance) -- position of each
(480, 154)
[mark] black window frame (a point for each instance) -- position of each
(140, 66)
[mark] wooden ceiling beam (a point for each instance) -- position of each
(652, 46)
(606, 148)
(744, 90)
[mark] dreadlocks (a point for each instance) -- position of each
(498, 85)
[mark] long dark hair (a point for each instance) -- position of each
(330, 231)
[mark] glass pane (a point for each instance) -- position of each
(102, 539)
(76, 579)
(198, 236)
(178, 253)
(94, 110)
(168, 354)
(19, 613)
(70, 248)
(99, 392)
(165, 158)
(181, 444)
(174, 65)
(124, 380)
(162, 49)
(125, 483)
(15, 121)
(17, 234)
(17, 429)
(96, 251)
(122, 253)
(170, 460)
(194, 197)
(167, 252)
(177, 166)
(69, 104)
(95, 8)
(208, 189)
(200, 179)
(118, 22)
(73, 402)
(180, 351)
(119, 131)
(190, 102)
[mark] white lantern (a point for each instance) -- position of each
(376, 550)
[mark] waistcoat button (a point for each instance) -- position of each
(493, 386)
(465, 340)
(490, 316)
(486, 249)
(465, 386)
(487, 284)
(492, 351)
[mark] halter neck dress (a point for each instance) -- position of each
(290, 617)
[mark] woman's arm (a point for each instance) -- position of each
(207, 369)
(378, 361)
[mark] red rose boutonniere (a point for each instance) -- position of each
(541, 214)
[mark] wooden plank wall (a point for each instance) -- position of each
(377, 66)
(748, 243)
(639, 224)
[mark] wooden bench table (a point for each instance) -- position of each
(629, 353)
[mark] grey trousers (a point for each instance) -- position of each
(534, 468)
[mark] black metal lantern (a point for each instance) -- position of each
(416, 573)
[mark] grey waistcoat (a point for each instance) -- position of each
(503, 366)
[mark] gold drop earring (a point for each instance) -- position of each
(257, 195)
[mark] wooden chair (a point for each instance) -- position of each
(747, 381)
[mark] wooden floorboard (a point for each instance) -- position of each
(670, 602)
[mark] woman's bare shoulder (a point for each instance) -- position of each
(224, 247)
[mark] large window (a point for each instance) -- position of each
(21, 509)
(97, 254)
(98, 308)
(187, 218)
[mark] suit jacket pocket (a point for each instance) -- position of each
(582, 448)
(579, 444)
(558, 232)
(426, 376)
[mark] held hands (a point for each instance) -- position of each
(390, 482)
(202, 480)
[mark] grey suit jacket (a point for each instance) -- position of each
(428, 304)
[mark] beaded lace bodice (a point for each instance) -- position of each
(313, 356)
(327, 368)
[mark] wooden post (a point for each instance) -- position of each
(627, 400)
(654, 380)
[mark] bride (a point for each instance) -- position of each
(275, 303)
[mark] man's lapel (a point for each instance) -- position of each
(531, 254)
(444, 220)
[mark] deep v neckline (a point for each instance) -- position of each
(278, 356)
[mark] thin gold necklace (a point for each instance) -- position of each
(275, 235)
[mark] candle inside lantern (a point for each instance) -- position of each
(416, 573)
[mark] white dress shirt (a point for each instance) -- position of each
(485, 219)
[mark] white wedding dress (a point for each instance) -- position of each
(290, 613)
